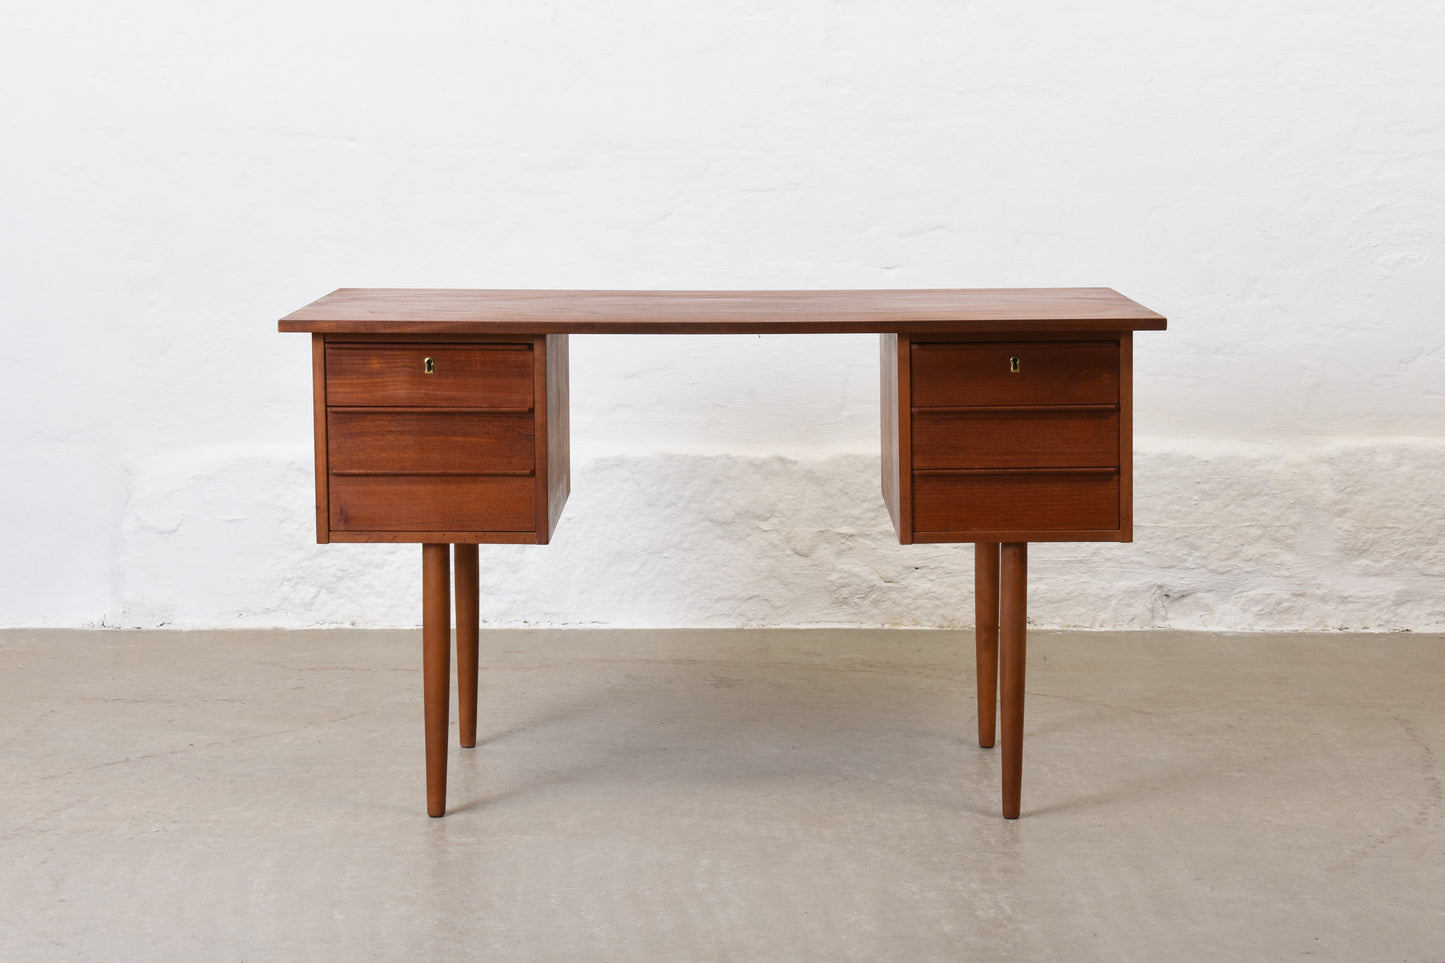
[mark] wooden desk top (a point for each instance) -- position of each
(407, 311)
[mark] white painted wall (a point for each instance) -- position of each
(178, 175)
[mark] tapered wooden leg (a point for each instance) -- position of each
(436, 637)
(985, 633)
(1013, 612)
(468, 626)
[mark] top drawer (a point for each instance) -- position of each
(471, 376)
(1048, 373)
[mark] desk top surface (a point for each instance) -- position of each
(936, 311)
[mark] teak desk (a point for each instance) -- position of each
(441, 418)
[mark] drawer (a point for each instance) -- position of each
(491, 376)
(382, 440)
(1019, 501)
(433, 503)
(1049, 373)
(1048, 438)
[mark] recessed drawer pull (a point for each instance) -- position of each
(429, 366)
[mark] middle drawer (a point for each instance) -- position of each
(471, 442)
(1078, 437)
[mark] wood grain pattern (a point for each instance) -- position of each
(433, 503)
(373, 440)
(446, 455)
(1015, 501)
(1051, 373)
(1046, 438)
(394, 374)
(987, 444)
(942, 311)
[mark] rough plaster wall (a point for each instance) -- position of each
(179, 175)
(695, 540)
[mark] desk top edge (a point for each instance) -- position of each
(938, 311)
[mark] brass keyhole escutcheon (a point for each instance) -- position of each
(1013, 365)
(429, 366)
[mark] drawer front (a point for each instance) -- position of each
(1049, 373)
(497, 376)
(1021, 501)
(1053, 438)
(433, 503)
(378, 440)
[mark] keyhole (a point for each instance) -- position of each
(429, 366)
(1013, 365)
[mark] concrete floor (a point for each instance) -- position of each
(734, 795)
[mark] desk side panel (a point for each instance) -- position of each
(1126, 436)
(888, 421)
(318, 416)
(895, 430)
(554, 458)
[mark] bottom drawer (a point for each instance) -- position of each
(433, 503)
(1019, 501)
